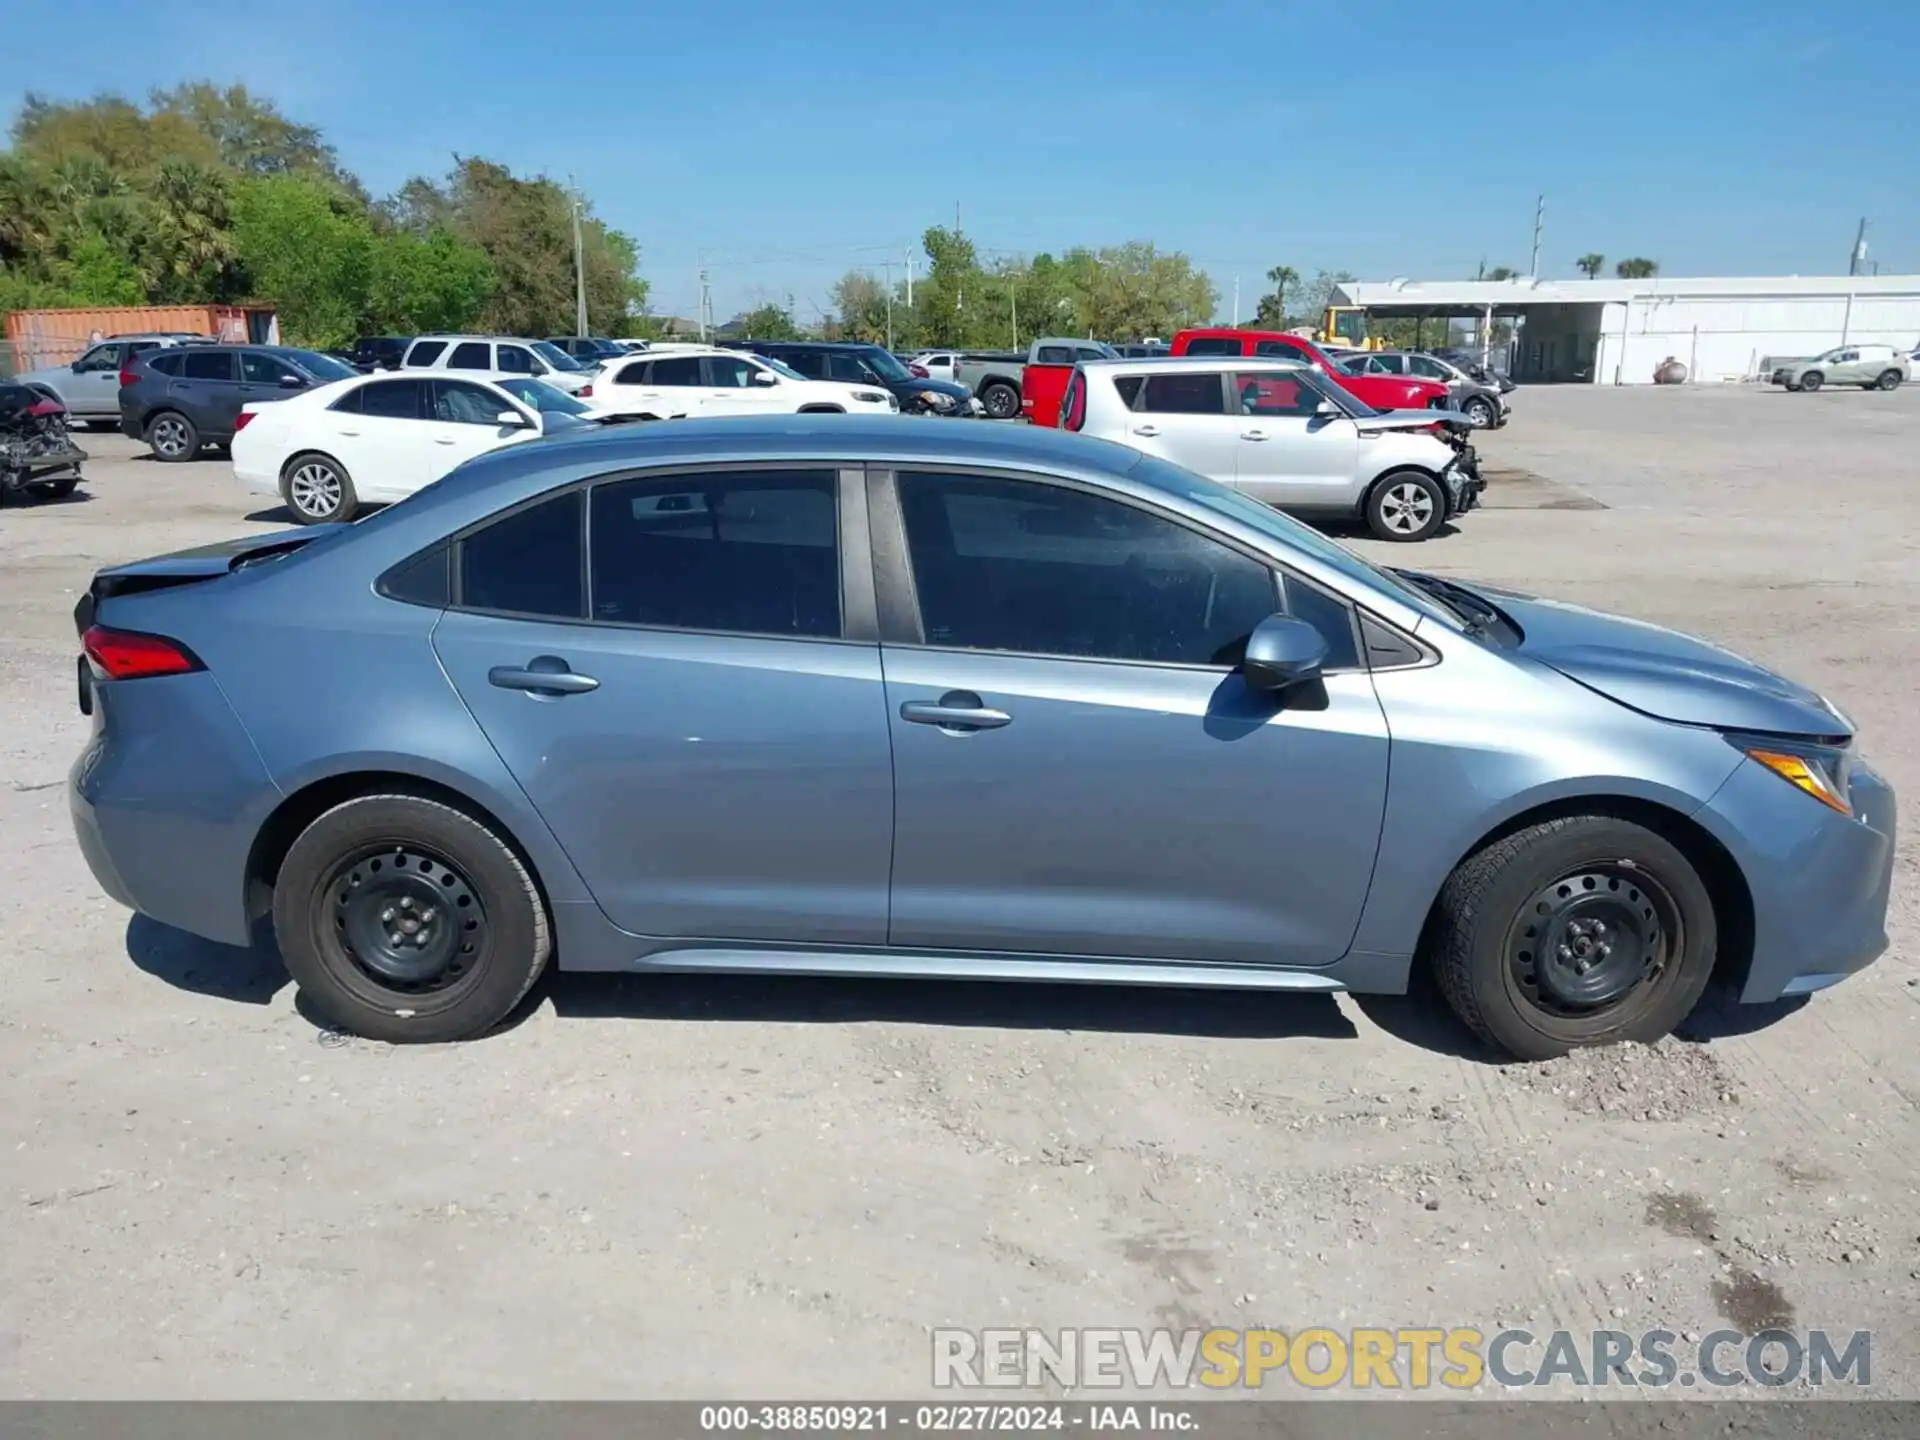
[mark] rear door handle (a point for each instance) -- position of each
(1146, 429)
(1253, 434)
(956, 710)
(351, 434)
(441, 440)
(546, 675)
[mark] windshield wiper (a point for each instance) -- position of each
(1476, 614)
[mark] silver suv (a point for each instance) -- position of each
(1871, 367)
(90, 386)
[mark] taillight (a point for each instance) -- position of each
(919, 372)
(242, 420)
(586, 390)
(129, 655)
(1075, 413)
(127, 375)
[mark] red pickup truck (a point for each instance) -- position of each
(1382, 392)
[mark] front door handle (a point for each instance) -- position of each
(351, 434)
(1253, 434)
(544, 675)
(441, 440)
(957, 710)
(1146, 429)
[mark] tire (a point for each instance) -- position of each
(1793, 385)
(821, 410)
(1480, 412)
(382, 861)
(1000, 400)
(1812, 380)
(318, 489)
(1406, 505)
(1560, 878)
(172, 437)
(1888, 380)
(54, 489)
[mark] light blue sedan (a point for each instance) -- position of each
(845, 696)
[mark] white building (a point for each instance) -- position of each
(1617, 332)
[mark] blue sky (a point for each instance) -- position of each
(786, 143)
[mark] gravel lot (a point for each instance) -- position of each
(698, 1187)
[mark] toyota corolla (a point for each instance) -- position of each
(846, 696)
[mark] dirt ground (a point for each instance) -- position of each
(710, 1187)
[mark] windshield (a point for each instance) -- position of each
(542, 396)
(555, 356)
(888, 365)
(1268, 521)
(780, 366)
(322, 367)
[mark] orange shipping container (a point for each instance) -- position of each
(40, 339)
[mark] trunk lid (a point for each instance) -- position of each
(191, 567)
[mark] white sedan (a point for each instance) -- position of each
(330, 450)
(717, 382)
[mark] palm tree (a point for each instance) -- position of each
(191, 244)
(1590, 264)
(1637, 269)
(1272, 311)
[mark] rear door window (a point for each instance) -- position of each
(631, 374)
(1185, 392)
(207, 365)
(810, 363)
(677, 371)
(471, 355)
(730, 372)
(528, 563)
(752, 553)
(394, 399)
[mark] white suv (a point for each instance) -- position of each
(484, 355)
(716, 382)
(1276, 431)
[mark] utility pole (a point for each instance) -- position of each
(1859, 248)
(1539, 224)
(889, 269)
(579, 271)
(909, 278)
(1013, 306)
(706, 304)
(1236, 302)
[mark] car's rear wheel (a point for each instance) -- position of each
(406, 920)
(1406, 505)
(1812, 380)
(1580, 931)
(1000, 401)
(318, 490)
(1889, 380)
(172, 437)
(1479, 412)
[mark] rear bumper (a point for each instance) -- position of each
(130, 427)
(1819, 880)
(166, 799)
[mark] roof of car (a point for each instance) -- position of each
(497, 339)
(1160, 364)
(815, 344)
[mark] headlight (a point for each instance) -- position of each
(938, 399)
(869, 397)
(1822, 771)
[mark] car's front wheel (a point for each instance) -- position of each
(318, 490)
(1479, 412)
(1812, 380)
(406, 920)
(1405, 506)
(1585, 930)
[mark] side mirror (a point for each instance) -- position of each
(765, 377)
(292, 382)
(1327, 410)
(512, 420)
(1282, 652)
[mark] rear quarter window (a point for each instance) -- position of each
(425, 352)
(167, 364)
(1213, 345)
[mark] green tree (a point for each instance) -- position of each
(249, 134)
(860, 303)
(1590, 264)
(1502, 272)
(1637, 269)
(1271, 314)
(188, 252)
(1315, 295)
(767, 322)
(431, 282)
(307, 251)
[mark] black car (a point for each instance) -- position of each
(180, 401)
(859, 364)
(376, 352)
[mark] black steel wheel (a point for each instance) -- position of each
(1579, 931)
(404, 919)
